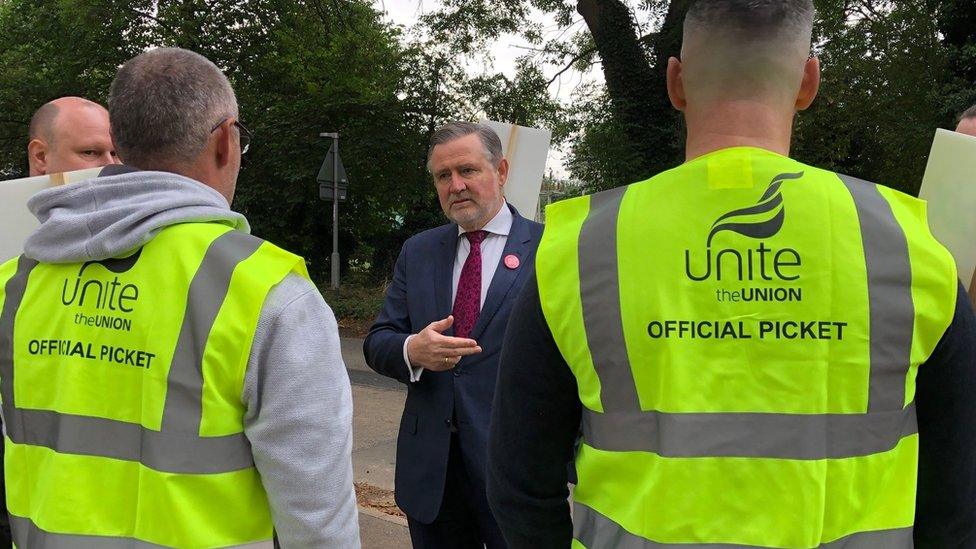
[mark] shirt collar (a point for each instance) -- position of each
(501, 224)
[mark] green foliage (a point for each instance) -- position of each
(892, 74)
(522, 100)
(893, 71)
(53, 48)
(957, 24)
(355, 304)
(300, 67)
(879, 102)
(467, 26)
(602, 156)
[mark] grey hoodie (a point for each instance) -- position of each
(296, 389)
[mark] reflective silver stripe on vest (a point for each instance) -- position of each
(759, 435)
(596, 531)
(600, 293)
(14, 292)
(184, 392)
(889, 273)
(27, 535)
(162, 451)
(178, 448)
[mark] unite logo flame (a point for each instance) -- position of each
(771, 203)
(115, 265)
(760, 221)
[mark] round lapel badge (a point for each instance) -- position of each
(512, 261)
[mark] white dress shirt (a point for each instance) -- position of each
(492, 248)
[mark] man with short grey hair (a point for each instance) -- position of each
(440, 333)
(967, 122)
(190, 391)
(761, 353)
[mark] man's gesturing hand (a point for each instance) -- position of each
(437, 352)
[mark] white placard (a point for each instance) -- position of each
(949, 186)
(16, 221)
(526, 150)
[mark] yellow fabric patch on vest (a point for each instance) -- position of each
(730, 172)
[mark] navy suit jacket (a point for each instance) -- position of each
(420, 294)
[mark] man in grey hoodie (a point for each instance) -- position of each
(175, 125)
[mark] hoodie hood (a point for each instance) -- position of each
(114, 214)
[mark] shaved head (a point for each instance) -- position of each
(67, 134)
(43, 121)
(744, 73)
(746, 49)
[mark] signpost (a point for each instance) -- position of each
(333, 183)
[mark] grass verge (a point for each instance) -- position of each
(355, 306)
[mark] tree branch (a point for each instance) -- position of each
(569, 65)
(158, 21)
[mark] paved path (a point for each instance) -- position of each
(377, 404)
(377, 533)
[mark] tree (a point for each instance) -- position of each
(879, 102)
(299, 67)
(53, 48)
(635, 67)
(891, 74)
(957, 24)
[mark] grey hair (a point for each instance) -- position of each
(968, 113)
(456, 130)
(760, 18)
(163, 105)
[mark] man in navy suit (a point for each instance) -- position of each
(440, 332)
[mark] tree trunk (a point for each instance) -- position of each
(636, 83)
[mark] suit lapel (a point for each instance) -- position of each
(444, 271)
(519, 245)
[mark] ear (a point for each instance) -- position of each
(503, 171)
(810, 85)
(224, 143)
(676, 85)
(37, 157)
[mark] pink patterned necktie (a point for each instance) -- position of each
(467, 301)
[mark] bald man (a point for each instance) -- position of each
(67, 134)
(761, 353)
(967, 122)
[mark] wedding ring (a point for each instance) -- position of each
(447, 359)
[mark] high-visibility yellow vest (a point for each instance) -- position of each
(121, 383)
(745, 332)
